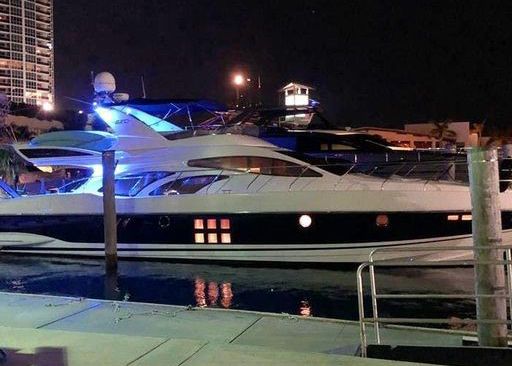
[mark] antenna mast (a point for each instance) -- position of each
(143, 86)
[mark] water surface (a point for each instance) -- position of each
(307, 291)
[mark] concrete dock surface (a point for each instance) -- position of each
(53, 330)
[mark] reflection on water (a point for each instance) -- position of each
(305, 308)
(226, 295)
(305, 292)
(213, 291)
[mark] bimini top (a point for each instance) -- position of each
(170, 115)
(162, 107)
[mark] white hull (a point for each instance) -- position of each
(311, 253)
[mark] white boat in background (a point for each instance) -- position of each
(227, 198)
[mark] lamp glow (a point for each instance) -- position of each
(97, 170)
(47, 107)
(238, 79)
(106, 114)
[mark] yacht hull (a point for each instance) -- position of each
(299, 227)
(22, 243)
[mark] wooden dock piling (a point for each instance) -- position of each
(109, 210)
(489, 278)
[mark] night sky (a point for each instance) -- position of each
(373, 63)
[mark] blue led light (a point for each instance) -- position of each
(157, 124)
(97, 170)
(106, 114)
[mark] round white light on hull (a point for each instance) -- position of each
(305, 221)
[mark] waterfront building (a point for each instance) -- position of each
(458, 134)
(26, 52)
(401, 138)
(429, 135)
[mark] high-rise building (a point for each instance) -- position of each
(26, 51)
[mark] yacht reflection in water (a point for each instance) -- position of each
(305, 308)
(208, 295)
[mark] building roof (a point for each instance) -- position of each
(293, 84)
(395, 130)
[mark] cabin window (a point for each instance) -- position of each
(188, 185)
(131, 185)
(212, 231)
(51, 153)
(341, 147)
(73, 186)
(257, 165)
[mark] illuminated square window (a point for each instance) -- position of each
(212, 224)
(199, 224)
(212, 238)
(225, 224)
(225, 238)
(199, 237)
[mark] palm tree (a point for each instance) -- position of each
(499, 136)
(442, 132)
(9, 170)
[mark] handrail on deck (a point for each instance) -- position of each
(376, 321)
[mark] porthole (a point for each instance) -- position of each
(382, 221)
(164, 222)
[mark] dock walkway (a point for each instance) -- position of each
(50, 330)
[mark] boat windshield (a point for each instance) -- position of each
(130, 185)
(73, 186)
(7, 192)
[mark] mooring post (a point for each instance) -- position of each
(489, 278)
(109, 210)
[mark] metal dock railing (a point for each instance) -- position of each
(376, 321)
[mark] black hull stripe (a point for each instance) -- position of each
(251, 229)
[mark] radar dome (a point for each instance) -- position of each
(104, 82)
(120, 97)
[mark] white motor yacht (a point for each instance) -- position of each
(227, 198)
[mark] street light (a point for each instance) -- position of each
(238, 81)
